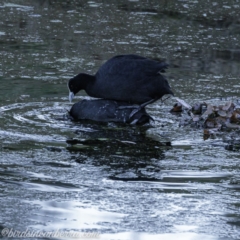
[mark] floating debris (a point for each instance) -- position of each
(210, 117)
(177, 107)
(183, 103)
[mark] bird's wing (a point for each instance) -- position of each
(130, 67)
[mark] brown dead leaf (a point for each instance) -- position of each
(177, 107)
(235, 118)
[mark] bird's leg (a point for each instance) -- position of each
(137, 108)
(141, 106)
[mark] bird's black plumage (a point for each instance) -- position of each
(107, 111)
(130, 78)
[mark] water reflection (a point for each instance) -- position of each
(117, 180)
(74, 215)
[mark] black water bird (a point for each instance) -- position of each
(107, 111)
(129, 78)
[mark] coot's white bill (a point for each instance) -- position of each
(71, 96)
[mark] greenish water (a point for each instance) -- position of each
(121, 182)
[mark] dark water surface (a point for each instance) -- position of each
(121, 182)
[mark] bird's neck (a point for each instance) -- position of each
(88, 82)
(85, 80)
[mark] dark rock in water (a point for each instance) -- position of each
(108, 111)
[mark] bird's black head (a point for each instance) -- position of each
(71, 85)
(75, 84)
(78, 83)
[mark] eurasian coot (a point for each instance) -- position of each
(107, 111)
(130, 78)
